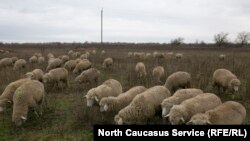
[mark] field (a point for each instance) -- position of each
(66, 116)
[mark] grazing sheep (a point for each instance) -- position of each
(180, 114)
(84, 56)
(64, 58)
(103, 52)
(50, 55)
(225, 79)
(7, 95)
(56, 76)
(70, 65)
(229, 112)
(93, 52)
(89, 76)
(14, 59)
(178, 55)
(109, 87)
(143, 106)
(41, 60)
(177, 98)
(115, 104)
(158, 73)
(140, 70)
(130, 54)
(38, 55)
(82, 65)
(70, 52)
(158, 55)
(29, 95)
(178, 80)
(36, 74)
(33, 59)
(6, 62)
(19, 64)
(54, 63)
(222, 57)
(107, 63)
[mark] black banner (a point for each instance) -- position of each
(164, 132)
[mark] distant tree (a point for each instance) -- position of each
(243, 38)
(178, 41)
(221, 39)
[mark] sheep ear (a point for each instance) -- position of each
(182, 120)
(96, 99)
(23, 118)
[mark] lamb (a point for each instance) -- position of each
(140, 69)
(107, 63)
(109, 87)
(54, 63)
(225, 79)
(229, 112)
(82, 65)
(178, 55)
(41, 60)
(177, 98)
(56, 76)
(143, 106)
(180, 114)
(115, 104)
(7, 95)
(33, 59)
(158, 72)
(178, 80)
(29, 95)
(36, 74)
(6, 62)
(19, 64)
(222, 57)
(89, 76)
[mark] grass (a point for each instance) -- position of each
(66, 116)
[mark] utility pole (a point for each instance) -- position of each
(101, 26)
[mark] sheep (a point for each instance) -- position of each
(33, 59)
(41, 60)
(93, 51)
(6, 62)
(158, 72)
(229, 112)
(178, 80)
(177, 98)
(84, 56)
(50, 55)
(82, 65)
(140, 70)
(143, 106)
(29, 95)
(103, 52)
(115, 104)
(56, 76)
(7, 95)
(225, 79)
(54, 63)
(64, 58)
(107, 63)
(109, 87)
(222, 57)
(36, 74)
(180, 114)
(70, 52)
(19, 64)
(89, 76)
(130, 54)
(70, 65)
(178, 55)
(14, 59)
(38, 55)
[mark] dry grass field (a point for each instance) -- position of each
(66, 116)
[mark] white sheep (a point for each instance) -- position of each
(14, 59)
(41, 60)
(143, 106)
(36, 74)
(115, 104)
(158, 72)
(50, 55)
(107, 63)
(178, 55)
(70, 65)
(109, 87)
(229, 112)
(130, 54)
(64, 58)
(103, 52)
(84, 56)
(140, 70)
(177, 98)
(6, 62)
(178, 80)
(29, 95)
(222, 57)
(7, 95)
(56, 76)
(33, 59)
(19, 64)
(180, 114)
(223, 78)
(54, 63)
(89, 76)
(82, 65)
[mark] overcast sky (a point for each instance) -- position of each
(124, 20)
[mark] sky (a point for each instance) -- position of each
(124, 20)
